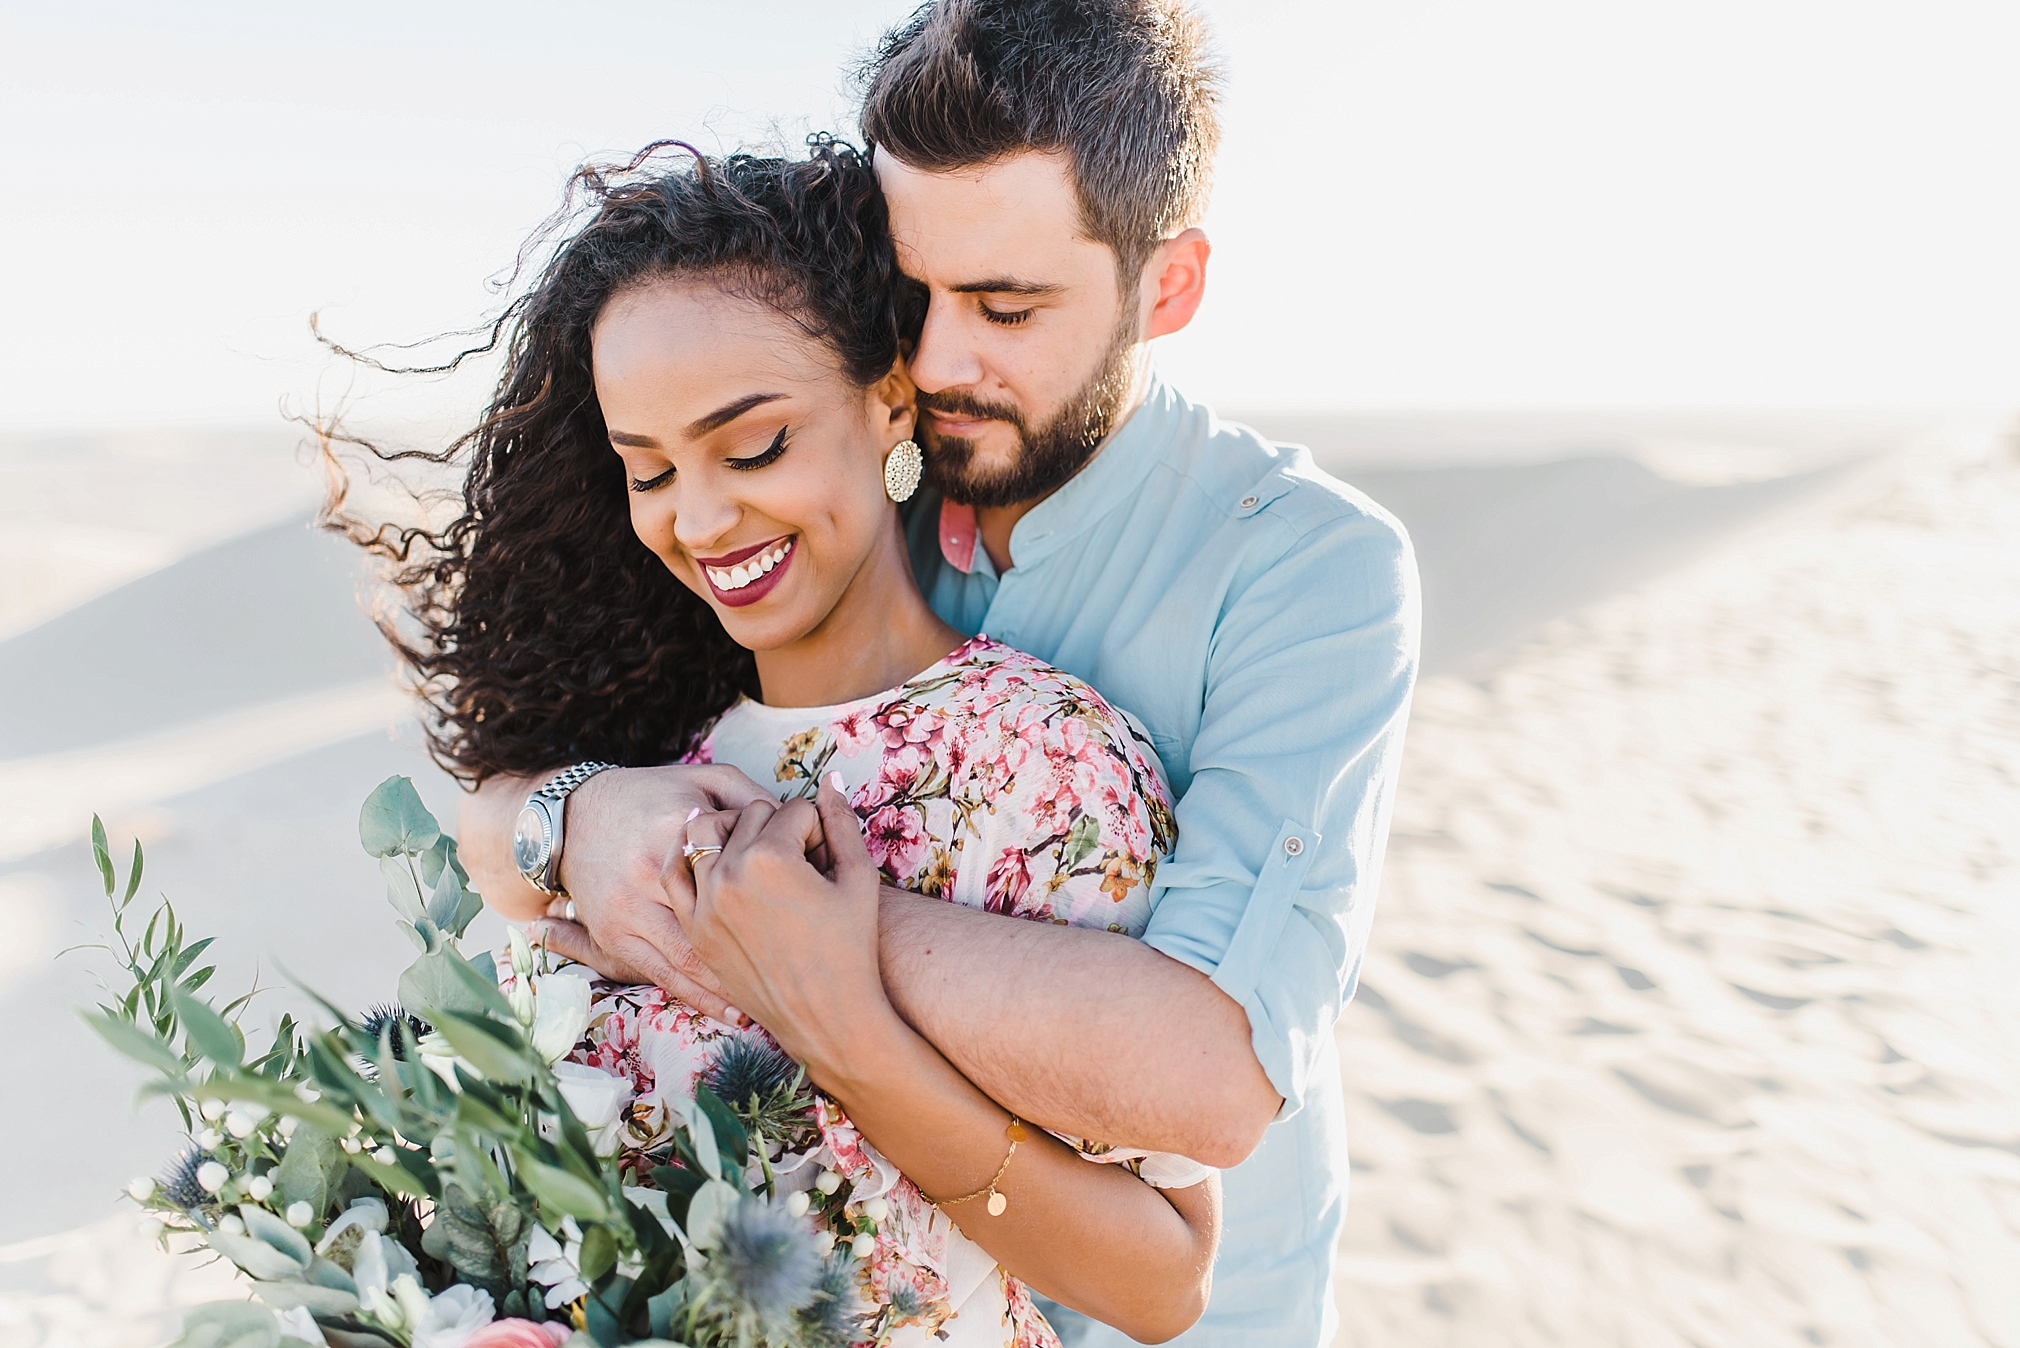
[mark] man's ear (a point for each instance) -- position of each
(894, 403)
(1174, 282)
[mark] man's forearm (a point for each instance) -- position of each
(1088, 1032)
(484, 842)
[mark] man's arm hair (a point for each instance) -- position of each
(1017, 1005)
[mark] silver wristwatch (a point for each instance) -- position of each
(536, 838)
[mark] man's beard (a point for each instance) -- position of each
(1046, 457)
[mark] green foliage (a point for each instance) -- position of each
(452, 1130)
(394, 821)
(483, 1241)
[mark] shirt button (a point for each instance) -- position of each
(1293, 845)
(1248, 503)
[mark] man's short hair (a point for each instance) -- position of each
(1127, 89)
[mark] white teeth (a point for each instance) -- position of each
(736, 577)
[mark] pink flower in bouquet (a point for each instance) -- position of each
(519, 1334)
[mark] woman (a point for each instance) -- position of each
(712, 367)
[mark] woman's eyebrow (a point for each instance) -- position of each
(728, 412)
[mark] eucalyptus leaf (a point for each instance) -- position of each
(132, 876)
(318, 1300)
(210, 1033)
(310, 1170)
(444, 981)
(599, 1253)
(101, 852)
(485, 1045)
(403, 890)
(475, 1238)
(701, 1134)
(136, 1043)
(265, 1226)
(707, 1210)
(230, 1324)
(256, 1257)
(567, 1194)
(394, 820)
(436, 858)
(446, 898)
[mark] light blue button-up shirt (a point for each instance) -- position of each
(1260, 618)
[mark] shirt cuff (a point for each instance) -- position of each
(1261, 947)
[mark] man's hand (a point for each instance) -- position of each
(620, 856)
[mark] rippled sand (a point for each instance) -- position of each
(1690, 1016)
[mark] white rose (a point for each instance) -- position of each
(297, 1323)
(141, 1189)
(300, 1214)
(863, 1246)
(560, 1012)
(243, 1122)
(598, 1099)
(212, 1176)
(453, 1317)
(260, 1188)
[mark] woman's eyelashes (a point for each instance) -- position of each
(770, 454)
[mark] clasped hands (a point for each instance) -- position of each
(780, 924)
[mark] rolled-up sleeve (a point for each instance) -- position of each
(1281, 829)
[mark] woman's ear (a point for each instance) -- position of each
(894, 405)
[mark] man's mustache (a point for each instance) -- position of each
(958, 404)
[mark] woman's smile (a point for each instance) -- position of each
(749, 574)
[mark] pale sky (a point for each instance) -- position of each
(1447, 203)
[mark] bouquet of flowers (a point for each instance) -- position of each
(432, 1173)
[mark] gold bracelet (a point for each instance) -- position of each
(997, 1202)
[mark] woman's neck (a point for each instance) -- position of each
(880, 634)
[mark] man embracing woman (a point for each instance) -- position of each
(857, 648)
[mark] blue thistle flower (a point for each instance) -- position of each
(744, 1066)
(828, 1321)
(766, 1265)
(178, 1183)
(407, 1029)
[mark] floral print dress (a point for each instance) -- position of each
(991, 780)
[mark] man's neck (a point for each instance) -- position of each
(994, 524)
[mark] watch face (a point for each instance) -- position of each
(529, 841)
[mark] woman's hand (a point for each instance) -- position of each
(795, 949)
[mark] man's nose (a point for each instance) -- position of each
(946, 357)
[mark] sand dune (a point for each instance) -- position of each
(1687, 1018)
(1690, 1016)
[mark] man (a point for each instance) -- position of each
(1046, 164)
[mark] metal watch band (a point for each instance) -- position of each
(555, 791)
(561, 783)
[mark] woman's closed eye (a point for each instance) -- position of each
(769, 454)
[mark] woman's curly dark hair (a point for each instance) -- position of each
(541, 630)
